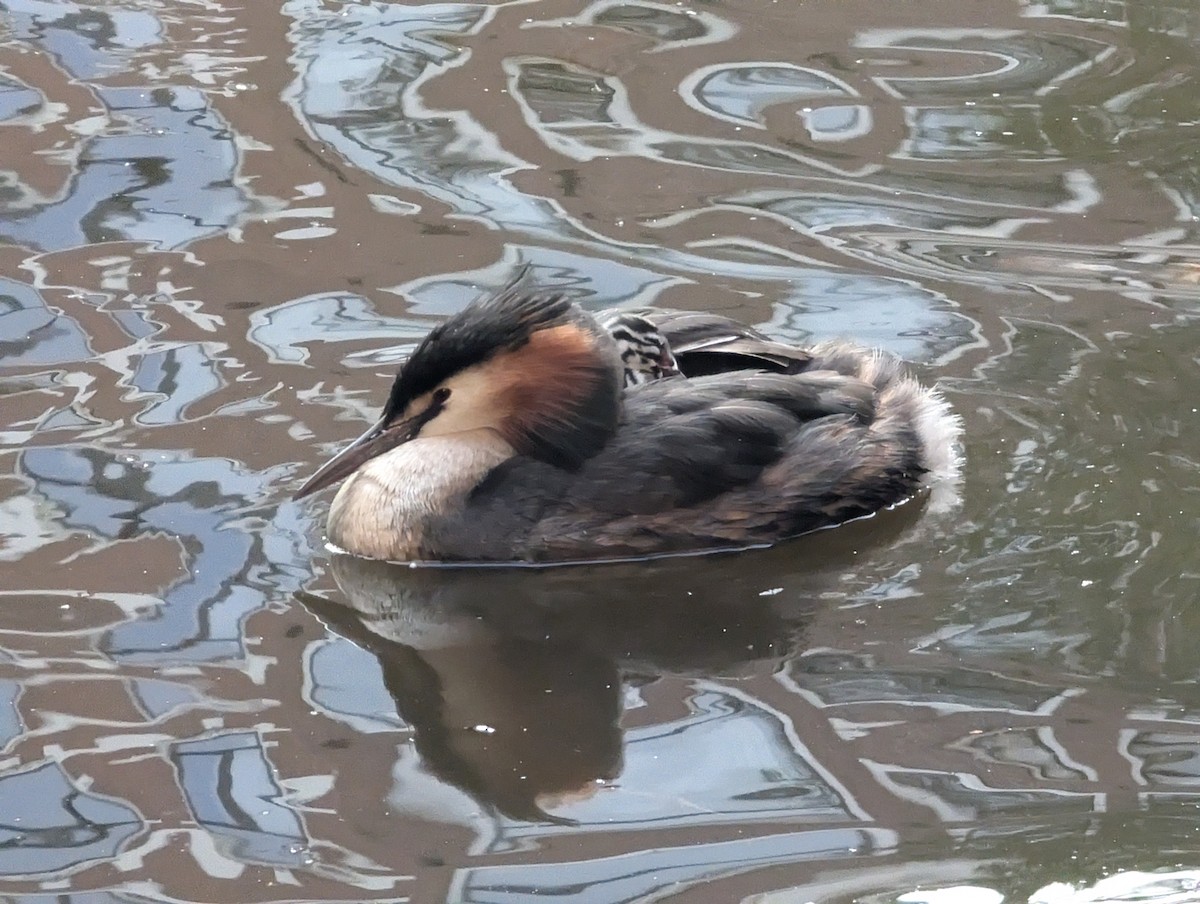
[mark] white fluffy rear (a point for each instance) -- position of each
(939, 431)
(903, 400)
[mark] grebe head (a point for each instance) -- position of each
(531, 368)
(644, 350)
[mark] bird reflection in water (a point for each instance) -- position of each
(512, 678)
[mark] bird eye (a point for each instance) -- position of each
(440, 396)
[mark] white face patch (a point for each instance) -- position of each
(471, 405)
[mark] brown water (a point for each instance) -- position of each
(222, 225)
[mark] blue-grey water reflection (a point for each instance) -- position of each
(221, 227)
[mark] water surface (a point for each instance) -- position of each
(222, 226)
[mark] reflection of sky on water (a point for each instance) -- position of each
(648, 875)
(156, 163)
(372, 61)
(153, 164)
(668, 25)
(16, 98)
(813, 303)
(1167, 758)
(163, 176)
(741, 94)
(587, 116)
(1005, 60)
(87, 41)
(10, 716)
(81, 897)
(32, 334)
(595, 282)
(957, 797)
(157, 698)
(949, 133)
(231, 790)
(180, 376)
(842, 679)
(824, 305)
(838, 122)
(358, 68)
(231, 571)
(742, 763)
(48, 824)
(345, 681)
(168, 377)
(283, 330)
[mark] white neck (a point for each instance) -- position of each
(384, 508)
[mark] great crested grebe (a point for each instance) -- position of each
(644, 351)
(522, 429)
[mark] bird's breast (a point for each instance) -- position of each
(389, 507)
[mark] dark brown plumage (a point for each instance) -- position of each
(535, 453)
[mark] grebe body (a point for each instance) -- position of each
(524, 429)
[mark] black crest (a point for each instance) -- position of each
(498, 323)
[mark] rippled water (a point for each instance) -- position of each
(221, 226)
